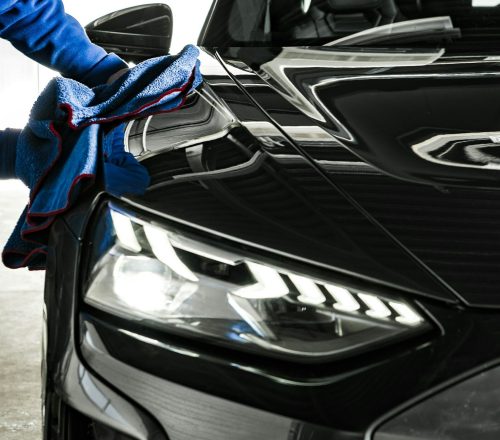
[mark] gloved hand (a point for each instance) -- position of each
(123, 174)
(8, 146)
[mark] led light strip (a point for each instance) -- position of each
(376, 308)
(269, 282)
(125, 232)
(164, 251)
(345, 302)
(309, 291)
(406, 314)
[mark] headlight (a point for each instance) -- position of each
(187, 285)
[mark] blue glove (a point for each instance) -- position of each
(123, 174)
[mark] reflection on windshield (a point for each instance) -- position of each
(423, 28)
(466, 25)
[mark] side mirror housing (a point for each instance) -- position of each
(136, 33)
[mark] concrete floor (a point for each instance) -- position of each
(21, 295)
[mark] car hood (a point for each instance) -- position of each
(370, 177)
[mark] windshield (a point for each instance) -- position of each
(465, 26)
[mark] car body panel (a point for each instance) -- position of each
(443, 211)
(380, 177)
(236, 186)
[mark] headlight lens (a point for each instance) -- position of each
(169, 280)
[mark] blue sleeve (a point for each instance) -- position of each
(44, 32)
(8, 145)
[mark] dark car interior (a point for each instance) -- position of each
(325, 18)
(318, 22)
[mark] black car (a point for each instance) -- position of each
(318, 254)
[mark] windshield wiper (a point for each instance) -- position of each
(434, 28)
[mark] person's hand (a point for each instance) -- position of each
(123, 174)
(117, 75)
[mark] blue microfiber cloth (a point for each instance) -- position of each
(72, 127)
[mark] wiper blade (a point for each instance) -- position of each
(406, 31)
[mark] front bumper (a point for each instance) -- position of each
(150, 385)
(184, 413)
(464, 408)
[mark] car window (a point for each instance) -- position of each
(458, 25)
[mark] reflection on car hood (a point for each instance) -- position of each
(414, 232)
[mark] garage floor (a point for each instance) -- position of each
(20, 333)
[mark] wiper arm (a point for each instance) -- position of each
(405, 31)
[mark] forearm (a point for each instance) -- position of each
(43, 31)
(8, 145)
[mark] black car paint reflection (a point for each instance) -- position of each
(239, 187)
(375, 165)
(248, 184)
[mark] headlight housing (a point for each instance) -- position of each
(184, 284)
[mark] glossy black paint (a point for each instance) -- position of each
(286, 207)
(389, 117)
(345, 396)
(135, 33)
(459, 412)
(383, 114)
(450, 228)
(385, 178)
(77, 403)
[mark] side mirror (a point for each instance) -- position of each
(136, 33)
